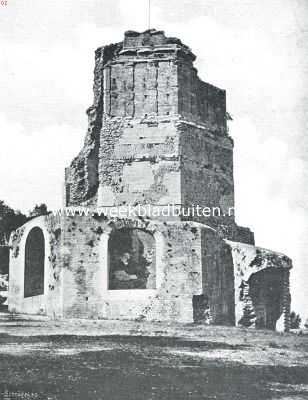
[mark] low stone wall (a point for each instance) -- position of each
(190, 272)
(86, 269)
(195, 276)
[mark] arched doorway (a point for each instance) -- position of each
(266, 291)
(34, 263)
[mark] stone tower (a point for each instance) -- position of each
(157, 134)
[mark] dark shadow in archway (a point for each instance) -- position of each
(131, 254)
(266, 290)
(34, 263)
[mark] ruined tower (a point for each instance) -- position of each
(157, 134)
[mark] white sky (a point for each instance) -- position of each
(255, 49)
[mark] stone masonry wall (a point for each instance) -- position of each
(199, 276)
(50, 302)
(189, 264)
(249, 260)
(218, 278)
(199, 101)
(194, 262)
(207, 179)
(138, 163)
(84, 290)
(141, 86)
(207, 172)
(157, 134)
(81, 178)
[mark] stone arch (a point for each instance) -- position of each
(104, 273)
(34, 264)
(266, 291)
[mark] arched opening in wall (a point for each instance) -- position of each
(132, 260)
(266, 291)
(34, 263)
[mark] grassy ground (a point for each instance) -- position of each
(127, 360)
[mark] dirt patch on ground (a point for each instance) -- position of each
(126, 360)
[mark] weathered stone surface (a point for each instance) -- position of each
(190, 261)
(157, 135)
(50, 301)
(260, 273)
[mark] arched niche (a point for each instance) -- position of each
(34, 263)
(131, 259)
(266, 293)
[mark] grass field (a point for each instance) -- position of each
(127, 360)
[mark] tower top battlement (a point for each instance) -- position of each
(150, 74)
(155, 40)
(151, 44)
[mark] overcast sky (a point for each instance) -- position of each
(256, 50)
